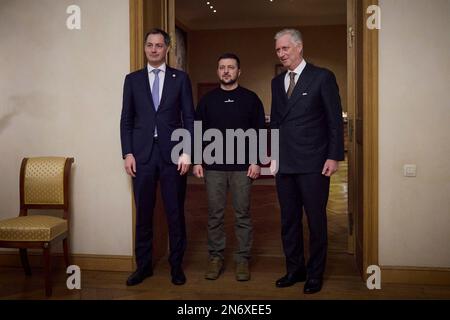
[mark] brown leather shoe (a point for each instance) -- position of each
(242, 271)
(215, 268)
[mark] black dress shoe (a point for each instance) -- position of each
(138, 276)
(178, 277)
(312, 286)
(290, 279)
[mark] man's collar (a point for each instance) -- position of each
(161, 67)
(300, 67)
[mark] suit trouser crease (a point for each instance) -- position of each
(217, 185)
(172, 187)
(309, 192)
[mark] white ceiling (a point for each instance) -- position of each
(232, 14)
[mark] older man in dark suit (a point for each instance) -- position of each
(157, 100)
(306, 109)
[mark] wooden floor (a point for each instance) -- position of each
(342, 280)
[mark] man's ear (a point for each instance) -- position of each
(301, 48)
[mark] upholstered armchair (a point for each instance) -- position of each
(44, 186)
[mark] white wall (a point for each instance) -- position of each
(414, 122)
(60, 94)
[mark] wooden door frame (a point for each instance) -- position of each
(367, 61)
(370, 142)
(136, 34)
(142, 18)
(370, 114)
(351, 110)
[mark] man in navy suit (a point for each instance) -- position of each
(157, 100)
(306, 109)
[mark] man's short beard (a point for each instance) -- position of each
(230, 82)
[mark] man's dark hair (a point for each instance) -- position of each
(229, 55)
(161, 32)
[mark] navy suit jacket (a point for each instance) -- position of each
(139, 118)
(310, 122)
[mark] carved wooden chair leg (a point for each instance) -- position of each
(24, 260)
(47, 271)
(66, 252)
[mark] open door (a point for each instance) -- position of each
(145, 15)
(355, 125)
(354, 142)
(362, 72)
(362, 120)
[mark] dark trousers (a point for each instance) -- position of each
(173, 190)
(308, 191)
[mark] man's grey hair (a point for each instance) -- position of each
(296, 36)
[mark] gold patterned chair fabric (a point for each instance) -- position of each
(44, 181)
(44, 186)
(32, 228)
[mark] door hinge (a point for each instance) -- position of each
(351, 37)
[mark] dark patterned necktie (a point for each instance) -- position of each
(291, 84)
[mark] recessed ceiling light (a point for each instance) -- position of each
(215, 11)
(212, 7)
(208, 3)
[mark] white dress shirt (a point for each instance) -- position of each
(298, 71)
(151, 79)
(161, 75)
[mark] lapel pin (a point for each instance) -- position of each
(304, 93)
(174, 75)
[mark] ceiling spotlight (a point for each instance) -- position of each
(215, 11)
(212, 7)
(208, 3)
